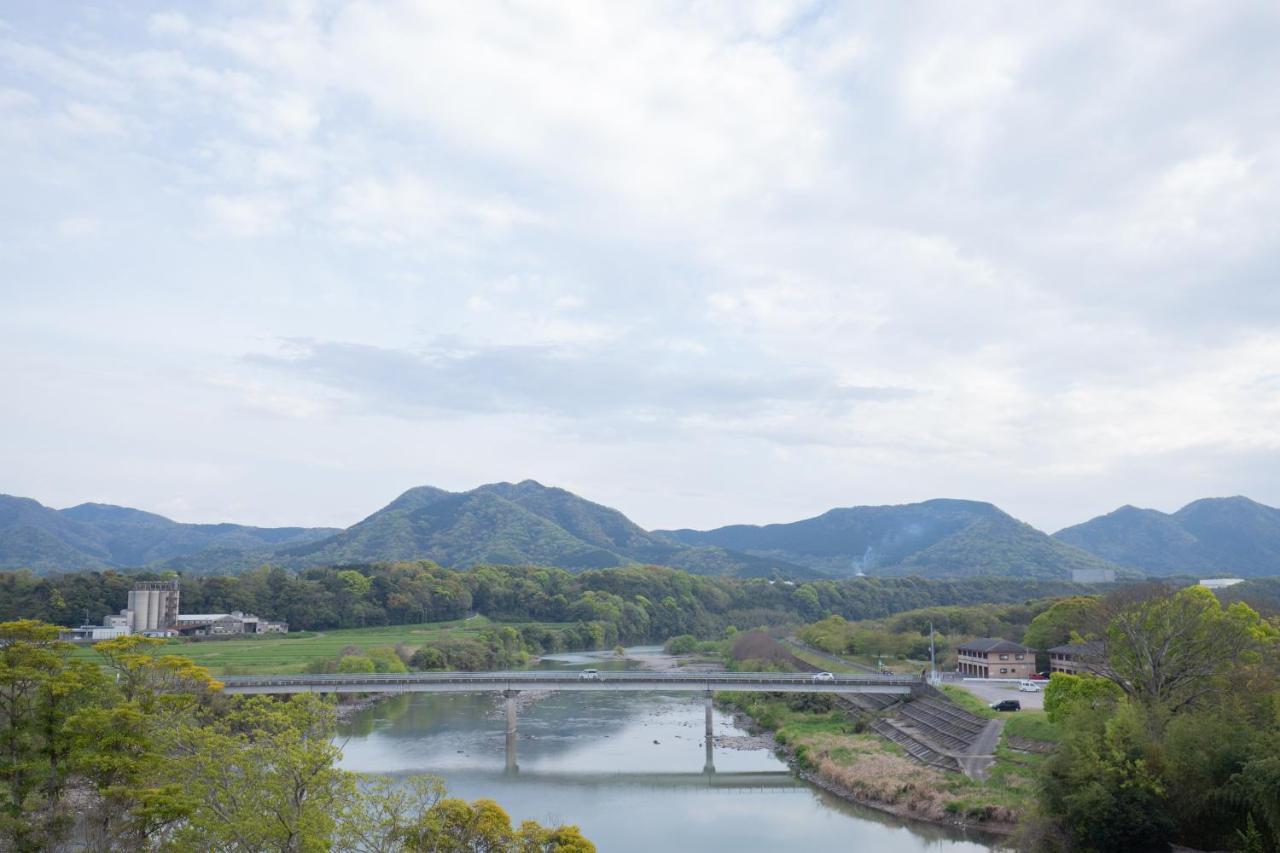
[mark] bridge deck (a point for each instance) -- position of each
(476, 682)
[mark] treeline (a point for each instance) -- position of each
(141, 751)
(634, 604)
(1176, 739)
(1039, 624)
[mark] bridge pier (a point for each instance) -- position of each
(709, 740)
(511, 766)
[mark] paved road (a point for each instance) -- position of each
(977, 760)
(990, 692)
(477, 682)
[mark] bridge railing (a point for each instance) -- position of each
(564, 676)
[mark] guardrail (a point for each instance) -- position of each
(565, 679)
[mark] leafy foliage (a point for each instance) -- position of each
(641, 603)
(1175, 738)
(160, 760)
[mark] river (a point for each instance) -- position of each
(626, 767)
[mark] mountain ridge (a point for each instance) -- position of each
(1223, 535)
(530, 523)
(941, 537)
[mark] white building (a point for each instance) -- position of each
(95, 632)
(221, 624)
(1220, 583)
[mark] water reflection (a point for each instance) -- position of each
(632, 769)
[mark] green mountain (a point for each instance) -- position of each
(523, 523)
(936, 538)
(100, 536)
(1211, 536)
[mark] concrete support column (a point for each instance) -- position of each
(710, 765)
(511, 766)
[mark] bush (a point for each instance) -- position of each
(356, 663)
(682, 645)
(386, 660)
(428, 657)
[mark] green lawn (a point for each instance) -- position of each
(823, 663)
(1032, 724)
(288, 653)
(968, 701)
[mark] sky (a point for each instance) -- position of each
(706, 263)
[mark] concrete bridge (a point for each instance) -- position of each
(556, 680)
(509, 684)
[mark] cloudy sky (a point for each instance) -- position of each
(703, 262)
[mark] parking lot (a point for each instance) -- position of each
(993, 691)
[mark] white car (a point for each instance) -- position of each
(1028, 687)
(589, 675)
(823, 676)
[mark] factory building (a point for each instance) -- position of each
(153, 612)
(153, 606)
(222, 624)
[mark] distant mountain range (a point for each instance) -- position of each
(501, 523)
(937, 538)
(99, 536)
(1229, 536)
(528, 523)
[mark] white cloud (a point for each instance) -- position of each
(248, 215)
(1057, 228)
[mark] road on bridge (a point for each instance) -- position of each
(473, 682)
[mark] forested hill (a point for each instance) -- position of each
(502, 523)
(523, 523)
(528, 523)
(937, 538)
(98, 536)
(1228, 536)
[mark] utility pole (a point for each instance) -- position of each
(933, 660)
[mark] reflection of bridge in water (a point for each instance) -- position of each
(744, 780)
(509, 684)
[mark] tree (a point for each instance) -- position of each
(1168, 649)
(34, 693)
(356, 664)
(1103, 790)
(261, 776)
(456, 826)
(1067, 694)
(1057, 624)
(145, 674)
(382, 814)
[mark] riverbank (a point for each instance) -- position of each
(345, 711)
(825, 750)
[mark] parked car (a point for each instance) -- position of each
(589, 675)
(823, 676)
(1006, 705)
(1040, 676)
(1028, 686)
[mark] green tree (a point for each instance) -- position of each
(1067, 694)
(1063, 619)
(1169, 649)
(383, 813)
(32, 666)
(261, 776)
(356, 664)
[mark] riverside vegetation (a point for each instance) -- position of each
(140, 751)
(1176, 738)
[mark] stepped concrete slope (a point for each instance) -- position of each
(926, 724)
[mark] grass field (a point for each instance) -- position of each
(968, 701)
(289, 653)
(1034, 725)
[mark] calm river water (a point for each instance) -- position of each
(627, 768)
